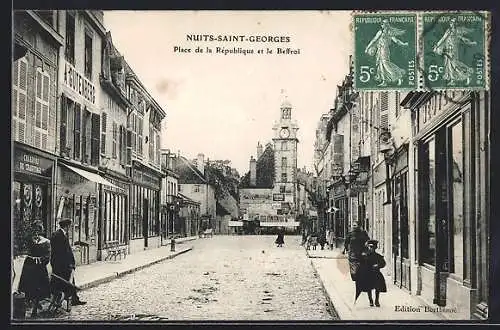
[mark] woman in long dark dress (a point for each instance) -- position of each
(369, 277)
(280, 240)
(34, 281)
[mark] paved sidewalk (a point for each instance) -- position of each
(87, 276)
(396, 304)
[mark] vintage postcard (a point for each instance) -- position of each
(250, 165)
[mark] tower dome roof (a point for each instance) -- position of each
(286, 104)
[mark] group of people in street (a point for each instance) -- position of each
(35, 282)
(365, 264)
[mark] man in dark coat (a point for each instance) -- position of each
(355, 245)
(369, 275)
(62, 262)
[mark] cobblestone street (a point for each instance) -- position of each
(222, 278)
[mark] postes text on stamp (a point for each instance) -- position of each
(385, 51)
(454, 50)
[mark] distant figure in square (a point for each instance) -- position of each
(280, 240)
(369, 277)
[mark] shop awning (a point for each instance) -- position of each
(92, 176)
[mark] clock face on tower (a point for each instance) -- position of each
(284, 133)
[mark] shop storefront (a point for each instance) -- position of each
(114, 206)
(453, 184)
(144, 208)
(400, 226)
(32, 193)
(77, 198)
(340, 214)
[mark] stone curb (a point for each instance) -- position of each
(331, 307)
(114, 275)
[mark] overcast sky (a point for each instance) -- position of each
(222, 105)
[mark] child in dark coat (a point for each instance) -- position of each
(370, 277)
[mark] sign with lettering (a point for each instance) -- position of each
(278, 197)
(78, 83)
(123, 186)
(146, 179)
(27, 162)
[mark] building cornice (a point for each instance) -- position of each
(95, 22)
(47, 28)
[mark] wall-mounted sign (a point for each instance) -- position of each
(78, 83)
(146, 179)
(278, 197)
(30, 163)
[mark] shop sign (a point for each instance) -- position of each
(118, 184)
(145, 179)
(278, 197)
(359, 186)
(78, 83)
(30, 163)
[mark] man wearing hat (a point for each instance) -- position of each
(62, 261)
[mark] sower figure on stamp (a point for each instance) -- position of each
(355, 245)
(448, 47)
(62, 261)
(369, 276)
(387, 71)
(34, 281)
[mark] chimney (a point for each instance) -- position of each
(200, 163)
(259, 150)
(253, 171)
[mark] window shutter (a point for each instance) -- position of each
(45, 99)
(114, 140)
(122, 145)
(338, 155)
(63, 127)
(384, 111)
(158, 156)
(129, 148)
(103, 132)
(94, 144)
(77, 132)
(71, 126)
(140, 141)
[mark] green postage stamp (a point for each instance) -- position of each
(421, 50)
(454, 50)
(385, 51)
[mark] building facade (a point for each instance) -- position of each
(194, 184)
(170, 199)
(449, 211)
(78, 180)
(36, 44)
(115, 158)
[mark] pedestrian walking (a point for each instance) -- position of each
(34, 280)
(369, 277)
(63, 265)
(322, 240)
(355, 245)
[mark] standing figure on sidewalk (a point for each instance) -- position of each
(355, 245)
(369, 277)
(34, 281)
(280, 240)
(331, 239)
(62, 261)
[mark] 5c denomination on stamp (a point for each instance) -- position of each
(385, 51)
(454, 50)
